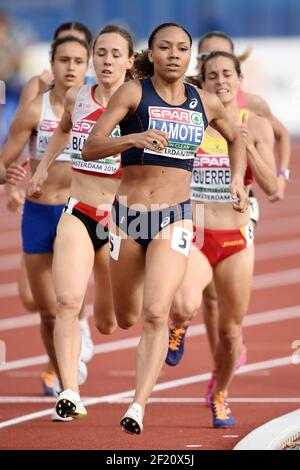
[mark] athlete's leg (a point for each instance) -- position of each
(210, 311)
(188, 297)
(39, 269)
(104, 314)
(127, 280)
(72, 265)
(24, 288)
(233, 278)
(164, 271)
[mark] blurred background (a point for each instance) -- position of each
(271, 26)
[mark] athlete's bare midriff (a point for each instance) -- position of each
(219, 216)
(94, 190)
(56, 188)
(154, 185)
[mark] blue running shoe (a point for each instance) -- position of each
(176, 346)
(222, 416)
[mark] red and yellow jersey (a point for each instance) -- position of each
(211, 175)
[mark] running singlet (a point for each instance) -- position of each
(86, 112)
(185, 125)
(211, 175)
(39, 139)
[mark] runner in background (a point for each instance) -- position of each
(219, 41)
(82, 236)
(35, 123)
(224, 249)
(15, 198)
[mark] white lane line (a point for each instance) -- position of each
(270, 316)
(260, 281)
(113, 398)
(164, 400)
(276, 279)
(8, 262)
(275, 250)
(263, 251)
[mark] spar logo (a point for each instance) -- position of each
(84, 126)
(211, 161)
(48, 125)
(179, 115)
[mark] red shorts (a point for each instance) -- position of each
(217, 245)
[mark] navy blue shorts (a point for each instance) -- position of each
(39, 224)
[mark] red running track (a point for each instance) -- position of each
(177, 418)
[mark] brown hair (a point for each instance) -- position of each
(113, 28)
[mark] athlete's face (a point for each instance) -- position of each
(221, 78)
(170, 53)
(209, 45)
(69, 65)
(111, 59)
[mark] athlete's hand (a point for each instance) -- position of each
(152, 139)
(37, 181)
(45, 80)
(239, 196)
(243, 128)
(279, 196)
(15, 200)
(16, 172)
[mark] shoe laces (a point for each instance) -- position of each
(221, 407)
(176, 335)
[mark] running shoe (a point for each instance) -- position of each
(56, 417)
(48, 379)
(211, 385)
(132, 421)
(68, 404)
(222, 416)
(176, 345)
(87, 345)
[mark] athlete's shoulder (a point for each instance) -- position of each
(260, 126)
(257, 104)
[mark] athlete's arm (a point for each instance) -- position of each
(57, 144)
(219, 120)
(259, 146)
(123, 102)
(25, 121)
(282, 139)
(35, 86)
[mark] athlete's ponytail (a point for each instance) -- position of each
(142, 67)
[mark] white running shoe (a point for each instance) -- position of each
(87, 345)
(69, 404)
(132, 421)
(56, 417)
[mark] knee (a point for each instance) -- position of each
(127, 320)
(210, 302)
(69, 303)
(106, 327)
(230, 334)
(156, 315)
(185, 310)
(29, 304)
